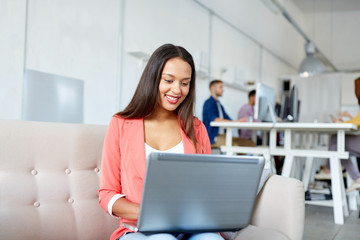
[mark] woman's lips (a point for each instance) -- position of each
(172, 99)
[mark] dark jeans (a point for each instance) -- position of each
(352, 145)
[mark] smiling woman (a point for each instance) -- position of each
(159, 118)
(173, 89)
(174, 84)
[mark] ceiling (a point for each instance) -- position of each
(333, 26)
(310, 6)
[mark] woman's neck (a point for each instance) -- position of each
(161, 114)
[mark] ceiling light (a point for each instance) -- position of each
(311, 65)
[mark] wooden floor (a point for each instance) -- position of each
(319, 224)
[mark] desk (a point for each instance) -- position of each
(339, 200)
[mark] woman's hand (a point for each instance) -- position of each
(346, 114)
(338, 120)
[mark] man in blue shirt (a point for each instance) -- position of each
(214, 111)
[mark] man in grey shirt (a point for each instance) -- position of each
(247, 111)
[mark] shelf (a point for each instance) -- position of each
(325, 203)
(240, 87)
(139, 54)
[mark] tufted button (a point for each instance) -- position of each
(96, 170)
(36, 204)
(70, 200)
(34, 172)
(67, 171)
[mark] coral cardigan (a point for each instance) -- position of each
(123, 163)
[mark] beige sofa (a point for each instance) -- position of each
(49, 177)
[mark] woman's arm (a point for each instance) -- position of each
(202, 137)
(346, 114)
(355, 120)
(126, 209)
(110, 192)
(110, 174)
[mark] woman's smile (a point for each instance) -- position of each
(172, 99)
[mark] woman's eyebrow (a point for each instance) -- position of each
(170, 75)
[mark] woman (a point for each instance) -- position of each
(158, 118)
(352, 145)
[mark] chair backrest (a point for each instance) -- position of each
(49, 178)
(280, 205)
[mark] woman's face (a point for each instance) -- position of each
(174, 83)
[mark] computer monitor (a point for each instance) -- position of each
(264, 103)
(294, 103)
(290, 111)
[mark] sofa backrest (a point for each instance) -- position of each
(49, 178)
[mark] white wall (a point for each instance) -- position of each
(325, 94)
(91, 40)
(231, 49)
(78, 39)
(348, 89)
(149, 24)
(12, 33)
(349, 101)
(261, 43)
(271, 30)
(320, 96)
(336, 32)
(272, 68)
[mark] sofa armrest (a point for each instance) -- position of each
(280, 206)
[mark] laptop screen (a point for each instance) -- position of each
(196, 193)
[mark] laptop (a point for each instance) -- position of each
(191, 193)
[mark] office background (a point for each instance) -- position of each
(105, 44)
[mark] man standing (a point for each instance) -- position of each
(214, 111)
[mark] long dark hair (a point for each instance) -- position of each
(145, 99)
(357, 89)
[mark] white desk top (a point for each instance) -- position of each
(318, 127)
(247, 125)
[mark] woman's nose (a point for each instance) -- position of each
(176, 88)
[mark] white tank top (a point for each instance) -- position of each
(179, 148)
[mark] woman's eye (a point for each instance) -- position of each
(168, 81)
(185, 83)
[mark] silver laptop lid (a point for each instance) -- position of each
(197, 193)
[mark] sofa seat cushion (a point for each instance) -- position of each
(252, 232)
